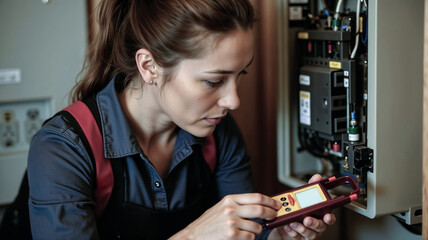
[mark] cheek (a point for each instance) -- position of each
(192, 102)
(197, 103)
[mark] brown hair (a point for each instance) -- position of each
(171, 30)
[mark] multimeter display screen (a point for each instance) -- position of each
(309, 197)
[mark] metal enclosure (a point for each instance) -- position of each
(394, 110)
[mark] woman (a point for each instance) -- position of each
(164, 75)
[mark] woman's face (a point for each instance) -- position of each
(203, 90)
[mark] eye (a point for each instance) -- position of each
(243, 72)
(214, 83)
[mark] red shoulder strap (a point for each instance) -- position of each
(209, 152)
(89, 126)
(105, 180)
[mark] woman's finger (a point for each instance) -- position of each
(305, 232)
(256, 211)
(290, 233)
(250, 206)
(315, 178)
(253, 199)
(316, 225)
(248, 226)
(329, 218)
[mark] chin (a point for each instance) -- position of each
(202, 132)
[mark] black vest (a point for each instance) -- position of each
(122, 220)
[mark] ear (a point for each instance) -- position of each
(146, 65)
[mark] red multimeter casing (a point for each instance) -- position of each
(311, 200)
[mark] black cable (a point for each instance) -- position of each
(314, 145)
(415, 228)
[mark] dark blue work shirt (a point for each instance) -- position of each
(61, 173)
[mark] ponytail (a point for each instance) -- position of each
(101, 62)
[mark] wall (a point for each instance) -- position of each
(47, 43)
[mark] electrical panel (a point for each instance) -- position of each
(350, 101)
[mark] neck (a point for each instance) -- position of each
(155, 132)
(148, 123)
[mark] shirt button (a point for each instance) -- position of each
(157, 184)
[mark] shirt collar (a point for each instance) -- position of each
(118, 138)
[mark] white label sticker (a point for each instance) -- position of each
(305, 107)
(295, 13)
(10, 76)
(304, 79)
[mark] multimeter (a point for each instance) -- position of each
(311, 200)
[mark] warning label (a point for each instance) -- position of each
(304, 79)
(305, 107)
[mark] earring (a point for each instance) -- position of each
(151, 82)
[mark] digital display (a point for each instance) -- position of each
(309, 197)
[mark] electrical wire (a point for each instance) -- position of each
(365, 29)
(357, 29)
(324, 5)
(314, 145)
(415, 229)
(339, 4)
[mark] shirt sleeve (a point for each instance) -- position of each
(60, 180)
(233, 171)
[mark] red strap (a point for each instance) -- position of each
(87, 122)
(105, 180)
(209, 151)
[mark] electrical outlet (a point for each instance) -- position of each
(9, 129)
(32, 124)
(19, 121)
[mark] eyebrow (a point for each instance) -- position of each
(227, 71)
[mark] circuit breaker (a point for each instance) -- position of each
(351, 101)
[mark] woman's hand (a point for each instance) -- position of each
(311, 228)
(229, 219)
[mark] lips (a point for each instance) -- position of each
(213, 121)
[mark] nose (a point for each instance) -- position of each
(230, 99)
